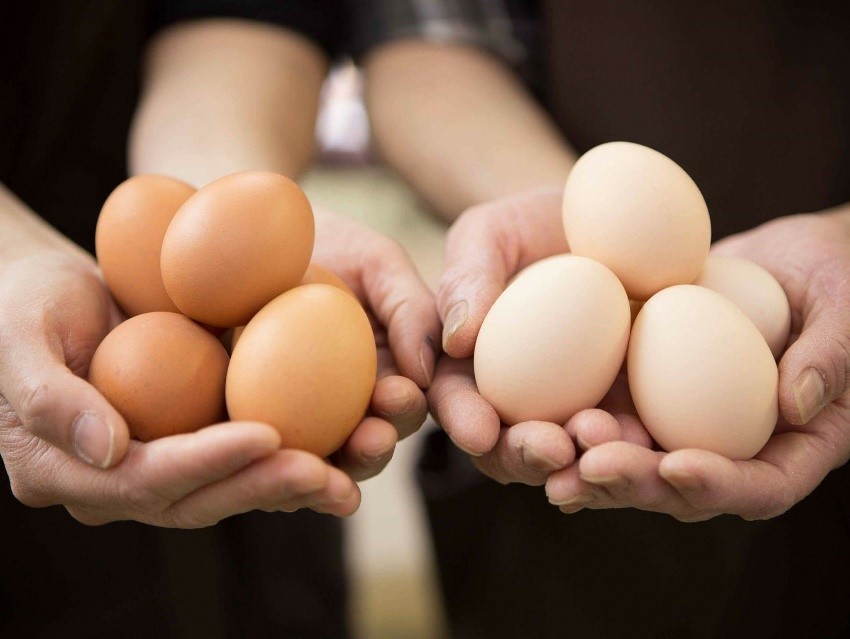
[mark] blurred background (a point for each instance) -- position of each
(391, 569)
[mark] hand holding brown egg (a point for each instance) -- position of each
(166, 373)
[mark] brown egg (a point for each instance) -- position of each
(235, 245)
(128, 240)
(163, 373)
(306, 364)
(315, 275)
(320, 275)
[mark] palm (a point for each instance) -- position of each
(808, 255)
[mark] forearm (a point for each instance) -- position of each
(227, 95)
(22, 232)
(458, 126)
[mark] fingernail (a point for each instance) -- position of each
(583, 443)
(684, 480)
(426, 359)
(578, 501)
(397, 405)
(336, 501)
(538, 460)
(809, 391)
(455, 319)
(609, 481)
(93, 439)
(373, 457)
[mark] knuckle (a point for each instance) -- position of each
(35, 404)
(138, 498)
(185, 519)
(86, 517)
(29, 494)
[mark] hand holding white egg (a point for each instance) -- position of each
(627, 472)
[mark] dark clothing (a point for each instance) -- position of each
(69, 72)
(753, 100)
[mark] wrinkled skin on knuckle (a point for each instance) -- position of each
(177, 517)
(27, 492)
(88, 517)
(139, 500)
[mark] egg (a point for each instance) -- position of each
(756, 292)
(315, 275)
(320, 275)
(235, 245)
(307, 365)
(128, 239)
(553, 341)
(638, 213)
(701, 375)
(163, 373)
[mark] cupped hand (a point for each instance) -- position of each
(810, 256)
(401, 309)
(487, 246)
(62, 442)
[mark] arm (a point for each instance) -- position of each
(227, 95)
(61, 441)
(458, 126)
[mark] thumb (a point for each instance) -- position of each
(62, 409)
(815, 370)
(484, 249)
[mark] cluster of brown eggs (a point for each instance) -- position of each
(187, 265)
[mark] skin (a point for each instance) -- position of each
(61, 441)
(618, 465)
(512, 218)
(458, 126)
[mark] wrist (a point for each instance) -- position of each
(23, 233)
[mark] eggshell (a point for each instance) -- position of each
(306, 364)
(235, 245)
(315, 275)
(320, 275)
(756, 292)
(554, 340)
(128, 240)
(640, 214)
(701, 375)
(163, 373)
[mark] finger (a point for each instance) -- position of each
(484, 248)
(567, 490)
(59, 407)
(400, 402)
(405, 306)
(340, 497)
(270, 483)
(386, 362)
(470, 422)
(786, 470)
(527, 453)
(814, 371)
(171, 468)
(155, 475)
(368, 450)
(592, 427)
(625, 475)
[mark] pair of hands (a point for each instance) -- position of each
(63, 444)
(604, 457)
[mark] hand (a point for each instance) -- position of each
(485, 248)
(401, 308)
(62, 443)
(810, 256)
